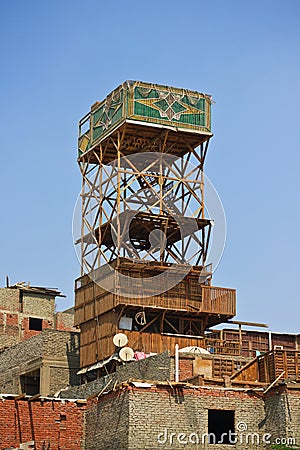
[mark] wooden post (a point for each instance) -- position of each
(270, 341)
(240, 338)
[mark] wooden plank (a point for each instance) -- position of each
(249, 324)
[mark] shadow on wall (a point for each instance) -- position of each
(73, 352)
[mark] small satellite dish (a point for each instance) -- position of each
(197, 350)
(120, 340)
(126, 354)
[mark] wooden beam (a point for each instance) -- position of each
(20, 397)
(274, 382)
(34, 397)
(249, 324)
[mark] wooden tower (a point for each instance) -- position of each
(145, 235)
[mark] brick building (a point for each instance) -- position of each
(39, 348)
(42, 364)
(27, 310)
(138, 404)
(144, 416)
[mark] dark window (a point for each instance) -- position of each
(35, 324)
(30, 382)
(220, 426)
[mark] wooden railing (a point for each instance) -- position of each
(218, 300)
(91, 300)
(271, 366)
(209, 299)
(221, 347)
(274, 363)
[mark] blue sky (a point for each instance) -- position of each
(60, 57)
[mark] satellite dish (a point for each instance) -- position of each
(120, 340)
(192, 349)
(126, 354)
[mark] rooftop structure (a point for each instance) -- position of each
(26, 310)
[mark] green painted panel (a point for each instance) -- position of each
(148, 103)
(142, 93)
(145, 111)
(170, 106)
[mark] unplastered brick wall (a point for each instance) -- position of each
(283, 414)
(9, 299)
(61, 377)
(22, 352)
(157, 367)
(57, 349)
(9, 317)
(58, 343)
(16, 309)
(65, 320)
(107, 423)
(38, 305)
(156, 417)
(185, 368)
(292, 397)
(50, 424)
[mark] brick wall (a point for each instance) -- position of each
(15, 310)
(156, 367)
(38, 305)
(283, 413)
(17, 307)
(137, 418)
(50, 424)
(292, 397)
(9, 299)
(56, 350)
(148, 417)
(65, 320)
(112, 412)
(185, 368)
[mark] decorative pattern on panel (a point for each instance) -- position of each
(109, 112)
(149, 103)
(165, 105)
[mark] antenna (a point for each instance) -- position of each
(120, 340)
(126, 354)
